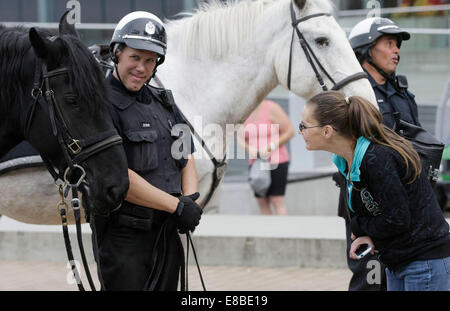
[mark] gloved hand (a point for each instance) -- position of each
(193, 196)
(188, 213)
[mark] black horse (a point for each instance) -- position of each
(53, 94)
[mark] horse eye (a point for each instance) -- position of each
(322, 42)
(71, 99)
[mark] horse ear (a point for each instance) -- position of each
(66, 28)
(300, 4)
(46, 49)
(40, 44)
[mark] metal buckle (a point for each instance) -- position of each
(35, 93)
(62, 206)
(76, 203)
(77, 148)
(433, 174)
(83, 174)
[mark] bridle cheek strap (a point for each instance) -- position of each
(311, 56)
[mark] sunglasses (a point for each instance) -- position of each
(302, 126)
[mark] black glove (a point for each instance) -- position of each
(188, 213)
(193, 196)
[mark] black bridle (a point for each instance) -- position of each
(312, 58)
(75, 151)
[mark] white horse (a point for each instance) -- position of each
(221, 62)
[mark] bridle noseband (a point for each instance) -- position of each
(312, 58)
(75, 150)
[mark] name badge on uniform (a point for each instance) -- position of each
(146, 125)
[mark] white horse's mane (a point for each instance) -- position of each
(217, 29)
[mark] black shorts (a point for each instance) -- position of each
(279, 181)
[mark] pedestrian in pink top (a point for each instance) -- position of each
(265, 133)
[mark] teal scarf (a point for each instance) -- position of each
(360, 150)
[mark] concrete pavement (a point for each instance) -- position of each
(49, 276)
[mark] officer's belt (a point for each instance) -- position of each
(145, 214)
(133, 222)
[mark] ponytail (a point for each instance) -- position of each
(355, 116)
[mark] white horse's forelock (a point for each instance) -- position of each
(217, 29)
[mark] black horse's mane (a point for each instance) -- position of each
(86, 74)
(14, 58)
(17, 67)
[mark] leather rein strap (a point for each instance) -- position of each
(312, 58)
(219, 166)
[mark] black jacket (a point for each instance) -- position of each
(394, 97)
(145, 120)
(391, 97)
(404, 220)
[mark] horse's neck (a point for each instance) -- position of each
(226, 89)
(223, 89)
(222, 92)
(8, 139)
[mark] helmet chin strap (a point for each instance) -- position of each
(381, 71)
(161, 59)
(117, 72)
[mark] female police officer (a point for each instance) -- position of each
(138, 245)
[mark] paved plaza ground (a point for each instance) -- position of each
(46, 276)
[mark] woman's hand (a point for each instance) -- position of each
(264, 153)
(359, 241)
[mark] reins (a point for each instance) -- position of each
(219, 170)
(220, 166)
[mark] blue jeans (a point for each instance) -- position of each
(421, 275)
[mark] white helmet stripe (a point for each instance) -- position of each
(135, 15)
(362, 27)
(387, 27)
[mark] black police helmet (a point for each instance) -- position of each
(140, 30)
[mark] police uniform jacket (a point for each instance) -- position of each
(393, 98)
(145, 120)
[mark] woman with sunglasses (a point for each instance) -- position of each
(392, 205)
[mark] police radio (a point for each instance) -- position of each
(401, 81)
(167, 98)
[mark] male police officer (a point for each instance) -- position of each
(138, 245)
(376, 43)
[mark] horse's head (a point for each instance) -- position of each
(308, 27)
(70, 125)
